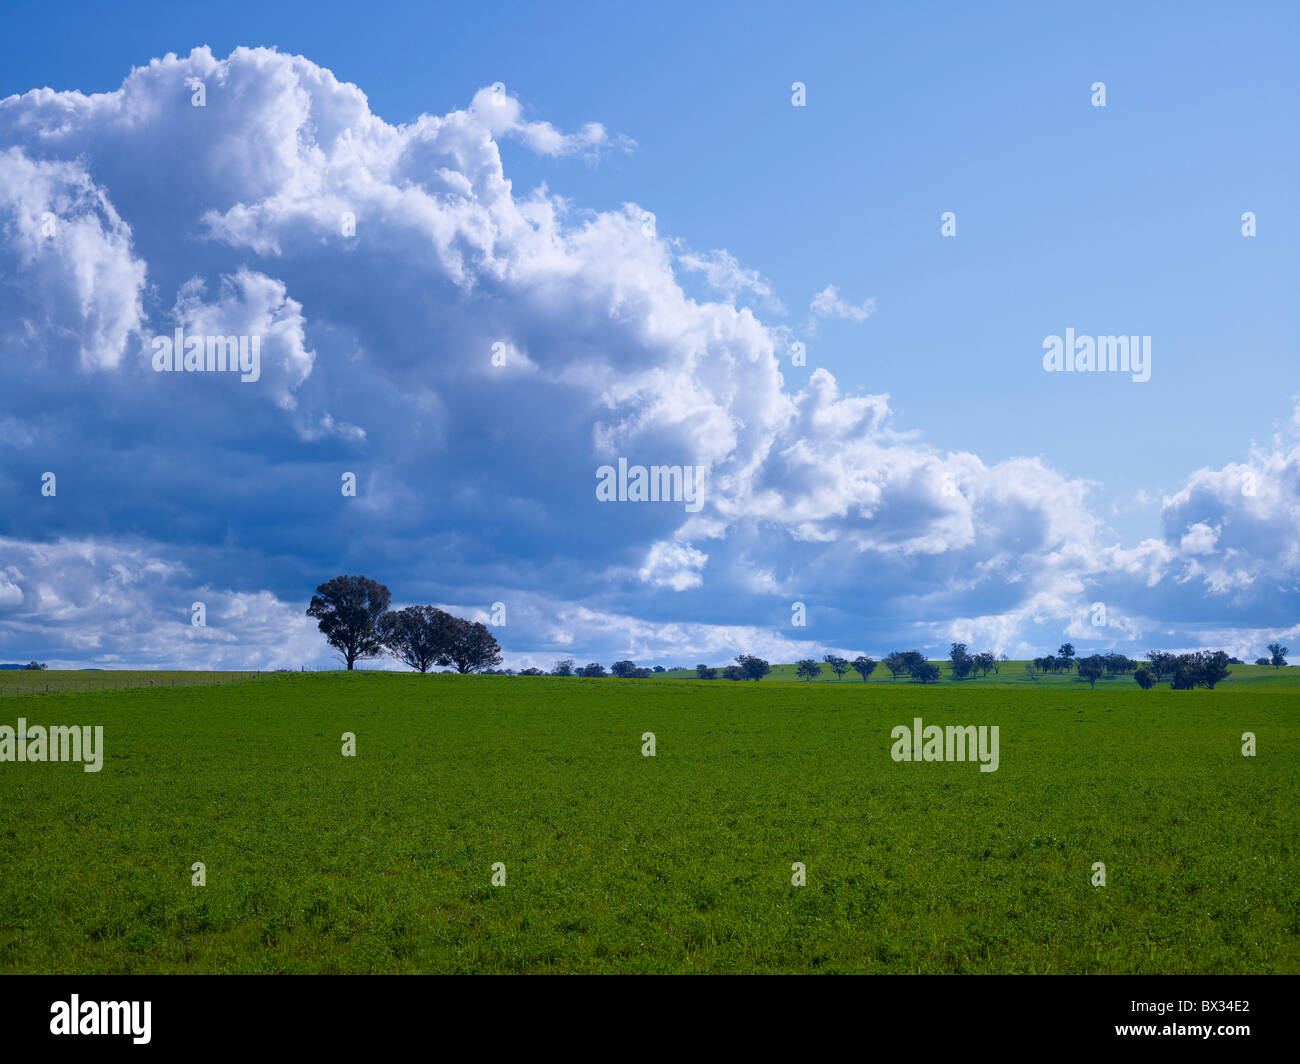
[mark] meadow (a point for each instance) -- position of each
(681, 862)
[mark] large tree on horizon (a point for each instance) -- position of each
(416, 636)
(470, 646)
(348, 609)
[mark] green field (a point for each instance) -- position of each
(680, 862)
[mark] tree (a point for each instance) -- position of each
(531, 671)
(624, 670)
(1144, 678)
(961, 663)
(1091, 669)
(1202, 669)
(705, 673)
(895, 664)
(1066, 653)
(1119, 664)
(1161, 663)
(912, 659)
(470, 646)
(808, 670)
(753, 668)
(416, 636)
(593, 669)
(563, 668)
(838, 665)
(348, 609)
(1279, 653)
(984, 661)
(864, 666)
(926, 672)
(1214, 667)
(997, 667)
(1263, 661)
(733, 672)
(1031, 669)
(34, 666)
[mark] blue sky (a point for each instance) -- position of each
(1070, 489)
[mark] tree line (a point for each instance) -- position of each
(353, 615)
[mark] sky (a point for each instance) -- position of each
(814, 255)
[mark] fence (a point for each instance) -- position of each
(34, 681)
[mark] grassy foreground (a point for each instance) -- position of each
(616, 862)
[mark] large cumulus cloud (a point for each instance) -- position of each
(472, 353)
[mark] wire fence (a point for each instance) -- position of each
(35, 682)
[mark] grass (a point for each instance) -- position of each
(677, 863)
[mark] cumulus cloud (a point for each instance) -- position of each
(502, 115)
(69, 279)
(472, 354)
(828, 304)
(726, 277)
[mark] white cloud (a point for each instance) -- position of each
(828, 304)
(378, 359)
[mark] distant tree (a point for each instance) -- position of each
(1161, 663)
(34, 666)
(592, 670)
(913, 659)
(753, 668)
(1091, 669)
(1202, 669)
(1119, 664)
(530, 671)
(659, 668)
(1263, 661)
(705, 673)
(471, 647)
(1214, 668)
(1145, 678)
(563, 668)
(837, 665)
(960, 662)
(1002, 660)
(623, 669)
(733, 672)
(1031, 669)
(808, 670)
(984, 662)
(1185, 673)
(895, 664)
(348, 609)
(926, 672)
(1067, 652)
(864, 666)
(1279, 653)
(416, 636)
